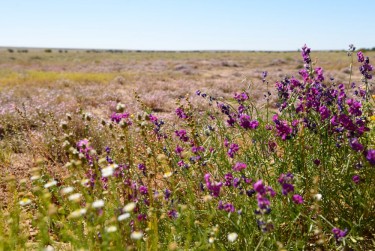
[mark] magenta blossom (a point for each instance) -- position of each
(297, 199)
(239, 166)
(356, 179)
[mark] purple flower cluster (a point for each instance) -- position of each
(312, 99)
(241, 97)
(285, 181)
(181, 113)
(226, 207)
(339, 234)
(213, 187)
(306, 54)
(182, 135)
(233, 148)
(365, 68)
(197, 149)
(158, 124)
(117, 117)
(239, 166)
(283, 129)
(246, 122)
(261, 190)
(84, 147)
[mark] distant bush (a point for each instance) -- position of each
(10, 50)
(47, 50)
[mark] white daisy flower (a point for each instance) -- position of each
(232, 237)
(50, 184)
(98, 204)
(129, 207)
(75, 197)
(136, 235)
(167, 174)
(111, 229)
(123, 216)
(108, 171)
(318, 196)
(35, 177)
(77, 213)
(67, 190)
(24, 202)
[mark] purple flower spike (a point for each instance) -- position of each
(360, 56)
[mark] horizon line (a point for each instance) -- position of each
(160, 50)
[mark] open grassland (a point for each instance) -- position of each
(186, 150)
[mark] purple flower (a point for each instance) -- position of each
(324, 112)
(173, 214)
(339, 234)
(250, 192)
(228, 179)
(283, 130)
(370, 156)
(355, 145)
(182, 135)
(196, 149)
(264, 75)
(306, 54)
(214, 187)
(141, 167)
(366, 68)
(153, 118)
(360, 56)
(181, 113)
(246, 123)
(319, 72)
(143, 190)
(354, 107)
(141, 217)
(239, 166)
(229, 208)
(304, 74)
(167, 194)
(356, 179)
(236, 182)
(231, 120)
(259, 187)
(287, 188)
(84, 146)
(263, 202)
(317, 162)
(271, 192)
(241, 97)
(285, 180)
(297, 199)
(179, 150)
(117, 117)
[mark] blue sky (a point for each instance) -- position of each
(187, 24)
